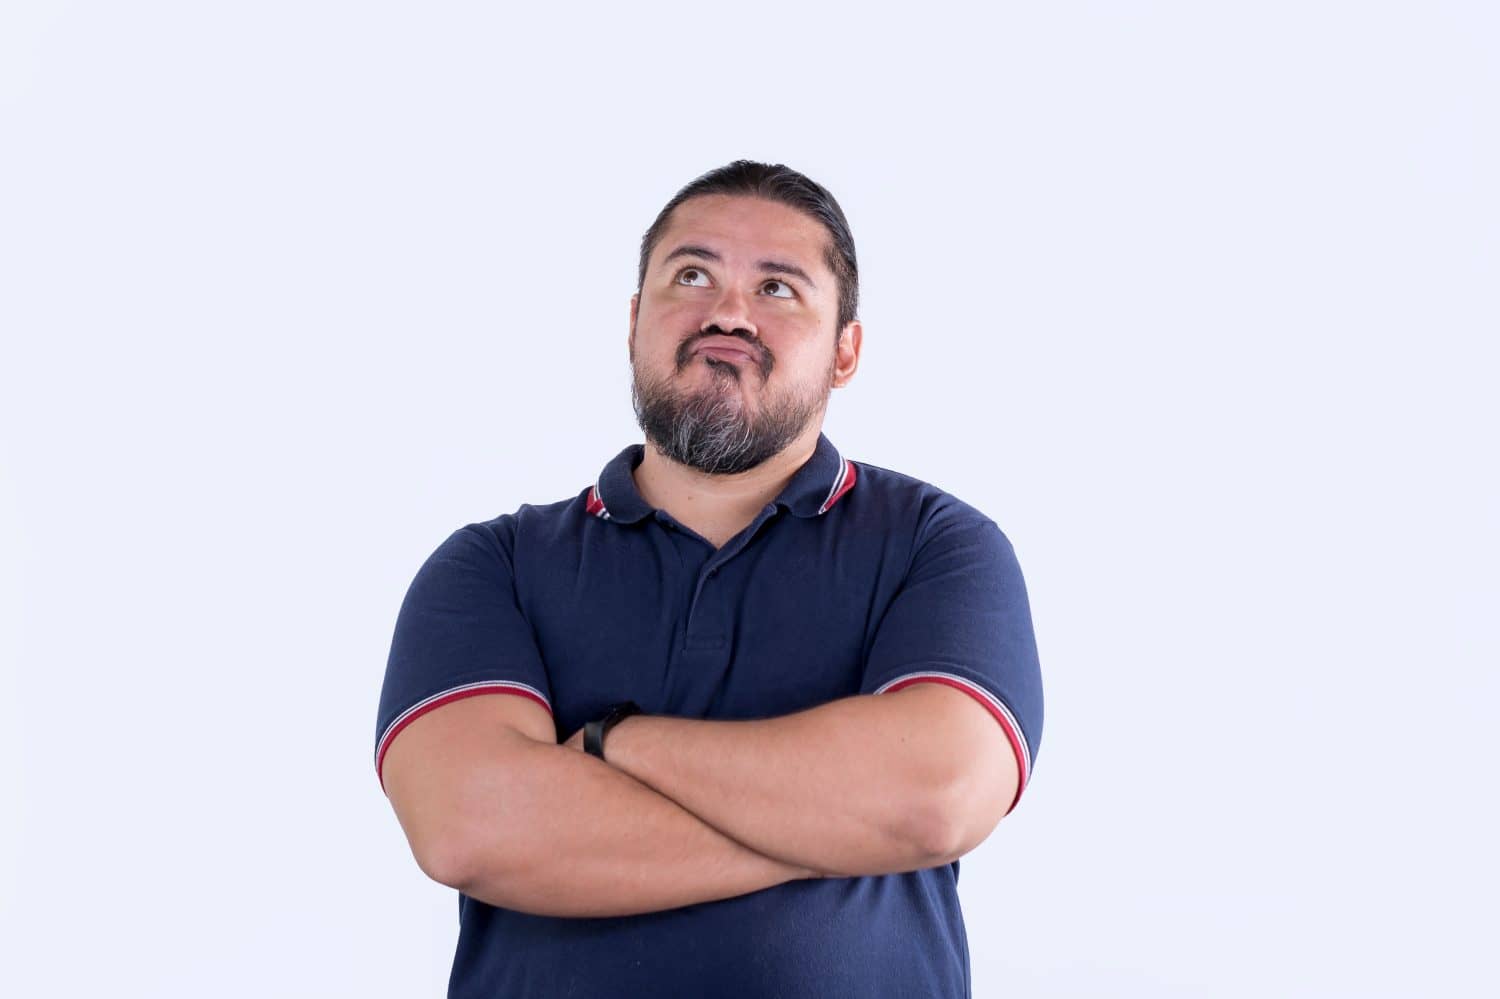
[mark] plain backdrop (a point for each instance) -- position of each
(1197, 301)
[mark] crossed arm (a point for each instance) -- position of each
(687, 811)
(870, 784)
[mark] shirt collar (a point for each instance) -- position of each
(812, 490)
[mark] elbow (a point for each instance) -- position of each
(454, 850)
(933, 832)
(937, 838)
(962, 815)
(458, 813)
(446, 860)
(479, 867)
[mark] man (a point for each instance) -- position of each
(798, 687)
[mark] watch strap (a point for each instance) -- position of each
(594, 731)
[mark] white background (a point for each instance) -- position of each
(1197, 301)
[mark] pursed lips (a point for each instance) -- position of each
(719, 346)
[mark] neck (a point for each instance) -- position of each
(692, 496)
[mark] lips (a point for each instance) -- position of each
(725, 350)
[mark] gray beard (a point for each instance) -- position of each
(710, 430)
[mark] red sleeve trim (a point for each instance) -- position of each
(991, 703)
(448, 696)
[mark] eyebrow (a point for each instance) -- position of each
(690, 250)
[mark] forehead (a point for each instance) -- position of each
(746, 228)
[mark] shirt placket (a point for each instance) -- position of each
(706, 628)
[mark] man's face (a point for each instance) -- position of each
(732, 336)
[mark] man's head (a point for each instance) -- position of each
(743, 321)
(774, 182)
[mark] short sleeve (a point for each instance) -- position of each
(962, 618)
(460, 632)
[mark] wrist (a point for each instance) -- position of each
(621, 738)
(598, 735)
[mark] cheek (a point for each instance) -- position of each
(668, 313)
(662, 329)
(798, 349)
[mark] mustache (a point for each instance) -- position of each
(762, 357)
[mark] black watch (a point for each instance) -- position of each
(593, 732)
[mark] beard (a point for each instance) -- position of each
(709, 428)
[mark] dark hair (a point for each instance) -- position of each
(776, 183)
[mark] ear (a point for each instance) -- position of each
(635, 304)
(846, 354)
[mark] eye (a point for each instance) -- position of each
(784, 288)
(692, 273)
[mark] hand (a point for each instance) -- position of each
(575, 741)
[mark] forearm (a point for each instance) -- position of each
(846, 788)
(600, 843)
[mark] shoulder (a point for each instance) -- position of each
(899, 501)
(532, 527)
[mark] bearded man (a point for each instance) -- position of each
(762, 697)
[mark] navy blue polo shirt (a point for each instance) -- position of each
(855, 580)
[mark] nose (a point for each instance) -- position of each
(730, 313)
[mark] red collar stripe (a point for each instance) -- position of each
(841, 485)
(594, 504)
